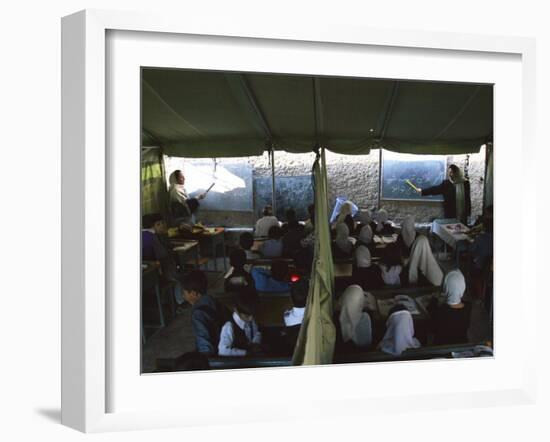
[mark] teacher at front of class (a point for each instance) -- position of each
(456, 194)
(179, 197)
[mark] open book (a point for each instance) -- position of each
(385, 305)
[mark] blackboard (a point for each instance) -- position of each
(291, 191)
(422, 170)
(232, 190)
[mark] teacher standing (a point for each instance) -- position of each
(179, 198)
(456, 194)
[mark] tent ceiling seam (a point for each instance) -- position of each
(389, 111)
(171, 109)
(458, 114)
(256, 108)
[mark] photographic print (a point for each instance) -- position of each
(303, 220)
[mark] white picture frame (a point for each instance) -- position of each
(87, 233)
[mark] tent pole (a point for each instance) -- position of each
(273, 199)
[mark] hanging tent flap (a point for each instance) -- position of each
(315, 344)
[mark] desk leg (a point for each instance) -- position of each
(214, 254)
(159, 304)
(223, 252)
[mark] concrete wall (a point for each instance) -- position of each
(356, 177)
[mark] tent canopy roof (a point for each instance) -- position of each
(221, 114)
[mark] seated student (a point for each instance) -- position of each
(275, 280)
(273, 247)
(293, 317)
(345, 216)
(156, 247)
(293, 232)
(265, 222)
(240, 335)
(343, 244)
(309, 224)
(364, 218)
(481, 251)
(407, 236)
(422, 259)
(207, 315)
(450, 320)
(383, 226)
(308, 240)
(246, 241)
(237, 276)
(481, 248)
(391, 265)
(399, 334)
(291, 221)
(364, 272)
(355, 324)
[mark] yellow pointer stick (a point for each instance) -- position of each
(416, 189)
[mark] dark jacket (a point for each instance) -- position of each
(447, 189)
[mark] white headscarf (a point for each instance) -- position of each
(364, 217)
(408, 231)
(355, 324)
(345, 210)
(454, 287)
(177, 191)
(362, 257)
(422, 258)
(381, 218)
(365, 235)
(399, 333)
(342, 238)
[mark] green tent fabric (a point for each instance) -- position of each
(315, 344)
(153, 183)
(220, 114)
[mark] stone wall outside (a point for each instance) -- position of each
(357, 177)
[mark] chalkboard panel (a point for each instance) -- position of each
(232, 190)
(422, 170)
(291, 191)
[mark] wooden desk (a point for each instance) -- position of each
(211, 237)
(382, 242)
(453, 234)
(186, 248)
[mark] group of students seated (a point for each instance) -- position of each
(407, 260)
(449, 320)
(220, 331)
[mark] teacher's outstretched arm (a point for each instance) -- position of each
(435, 190)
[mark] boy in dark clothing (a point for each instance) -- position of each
(240, 335)
(207, 315)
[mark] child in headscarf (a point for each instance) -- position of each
(364, 272)
(451, 319)
(355, 324)
(391, 265)
(407, 236)
(399, 334)
(343, 244)
(422, 259)
(383, 226)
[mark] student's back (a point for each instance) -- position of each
(207, 318)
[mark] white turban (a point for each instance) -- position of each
(342, 238)
(364, 217)
(355, 324)
(399, 333)
(454, 287)
(362, 256)
(365, 235)
(422, 258)
(408, 231)
(381, 218)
